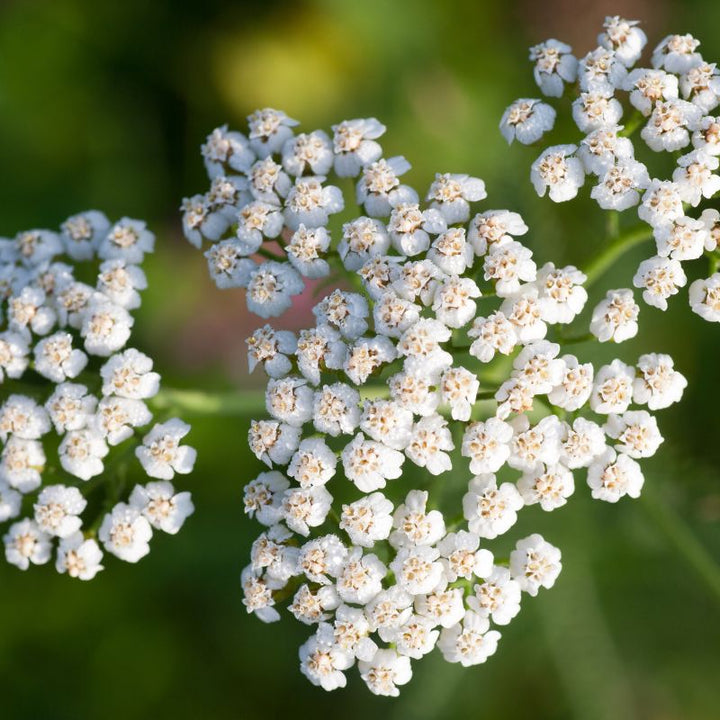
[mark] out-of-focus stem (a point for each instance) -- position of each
(682, 539)
(616, 250)
(196, 402)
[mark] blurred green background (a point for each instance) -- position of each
(105, 104)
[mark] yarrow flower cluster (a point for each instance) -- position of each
(674, 100)
(75, 400)
(395, 374)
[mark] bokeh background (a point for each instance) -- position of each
(105, 104)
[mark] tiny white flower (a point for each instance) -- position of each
(470, 642)
(636, 432)
(573, 391)
(322, 662)
(106, 328)
(682, 239)
(695, 176)
(393, 315)
(14, 350)
(269, 130)
(289, 400)
(417, 569)
(161, 454)
(121, 281)
(613, 388)
(527, 120)
(676, 53)
(534, 446)
(361, 578)
(583, 443)
(29, 309)
(461, 557)
(10, 501)
(271, 287)
(224, 147)
(25, 543)
(615, 317)
(414, 524)
(550, 486)
(658, 385)
(387, 422)
(430, 443)
(554, 66)
(493, 334)
(594, 110)
(560, 293)
(619, 186)
(367, 520)
(264, 495)
(365, 356)
(78, 557)
(312, 607)
(508, 265)
(660, 278)
(336, 409)
(454, 303)
(535, 563)
(661, 203)
(258, 597)
(116, 418)
(612, 476)
(385, 672)
(305, 508)
(410, 227)
(81, 453)
(345, 312)
(310, 203)
(317, 349)
(354, 145)
(379, 188)
(81, 234)
(459, 388)
(670, 125)
(21, 464)
(452, 194)
(701, 85)
(308, 151)
(22, 417)
(125, 533)
(498, 598)
(494, 226)
(603, 148)
(58, 509)
(322, 559)
(624, 37)
(443, 606)
(313, 464)
(129, 374)
(127, 240)
(707, 135)
(351, 631)
(491, 510)
(271, 348)
(362, 239)
(370, 464)
(559, 171)
(601, 71)
(164, 509)
(256, 221)
(451, 252)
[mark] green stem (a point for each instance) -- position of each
(635, 121)
(713, 262)
(683, 539)
(615, 250)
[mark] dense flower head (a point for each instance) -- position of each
(440, 359)
(75, 400)
(671, 102)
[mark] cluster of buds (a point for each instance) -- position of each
(430, 402)
(673, 100)
(73, 390)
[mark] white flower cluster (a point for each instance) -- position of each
(393, 378)
(71, 389)
(674, 99)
